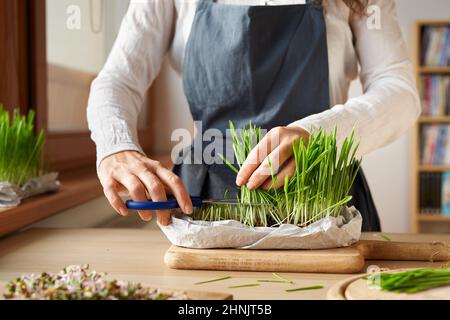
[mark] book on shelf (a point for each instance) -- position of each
(434, 193)
(445, 194)
(435, 46)
(435, 144)
(435, 95)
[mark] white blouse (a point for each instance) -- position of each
(388, 107)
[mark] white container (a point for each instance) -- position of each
(327, 233)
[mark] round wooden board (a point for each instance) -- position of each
(360, 290)
(356, 288)
(337, 292)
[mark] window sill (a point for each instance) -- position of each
(77, 187)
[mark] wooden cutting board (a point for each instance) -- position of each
(341, 260)
(357, 288)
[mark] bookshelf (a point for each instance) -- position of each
(419, 218)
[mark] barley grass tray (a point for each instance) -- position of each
(309, 211)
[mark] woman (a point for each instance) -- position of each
(286, 66)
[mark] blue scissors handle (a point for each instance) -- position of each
(170, 204)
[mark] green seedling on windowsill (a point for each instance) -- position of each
(20, 148)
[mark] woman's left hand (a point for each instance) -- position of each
(274, 154)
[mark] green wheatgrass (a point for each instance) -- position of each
(277, 279)
(319, 187)
(385, 237)
(213, 280)
(245, 286)
(411, 281)
(305, 288)
(20, 148)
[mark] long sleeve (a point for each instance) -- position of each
(390, 103)
(118, 93)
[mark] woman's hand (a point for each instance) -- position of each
(130, 171)
(273, 154)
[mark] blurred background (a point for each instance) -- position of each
(49, 67)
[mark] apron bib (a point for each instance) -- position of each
(262, 64)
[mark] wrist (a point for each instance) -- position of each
(119, 149)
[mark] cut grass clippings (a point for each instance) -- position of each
(245, 286)
(213, 280)
(411, 281)
(276, 275)
(305, 288)
(278, 279)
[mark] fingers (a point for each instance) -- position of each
(270, 165)
(111, 191)
(142, 178)
(157, 192)
(177, 188)
(159, 181)
(137, 192)
(257, 156)
(287, 170)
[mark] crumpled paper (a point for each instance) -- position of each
(327, 233)
(12, 195)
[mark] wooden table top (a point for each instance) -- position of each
(137, 255)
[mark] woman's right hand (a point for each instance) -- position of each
(131, 171)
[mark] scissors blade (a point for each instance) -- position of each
(229, 202)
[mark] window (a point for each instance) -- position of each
(48, 67)
(79, 36)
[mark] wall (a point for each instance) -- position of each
(77, 49)
(75, 56)
(82, 49)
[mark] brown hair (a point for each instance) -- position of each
(357, 6)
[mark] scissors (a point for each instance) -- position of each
(172, 203)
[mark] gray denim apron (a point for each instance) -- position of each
(264, 64)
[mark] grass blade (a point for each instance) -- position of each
(305, 288)
(276, 275)
(271, 280)
(245, 285)
(213, 280)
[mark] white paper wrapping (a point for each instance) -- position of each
(328, 233)
(12, 195)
